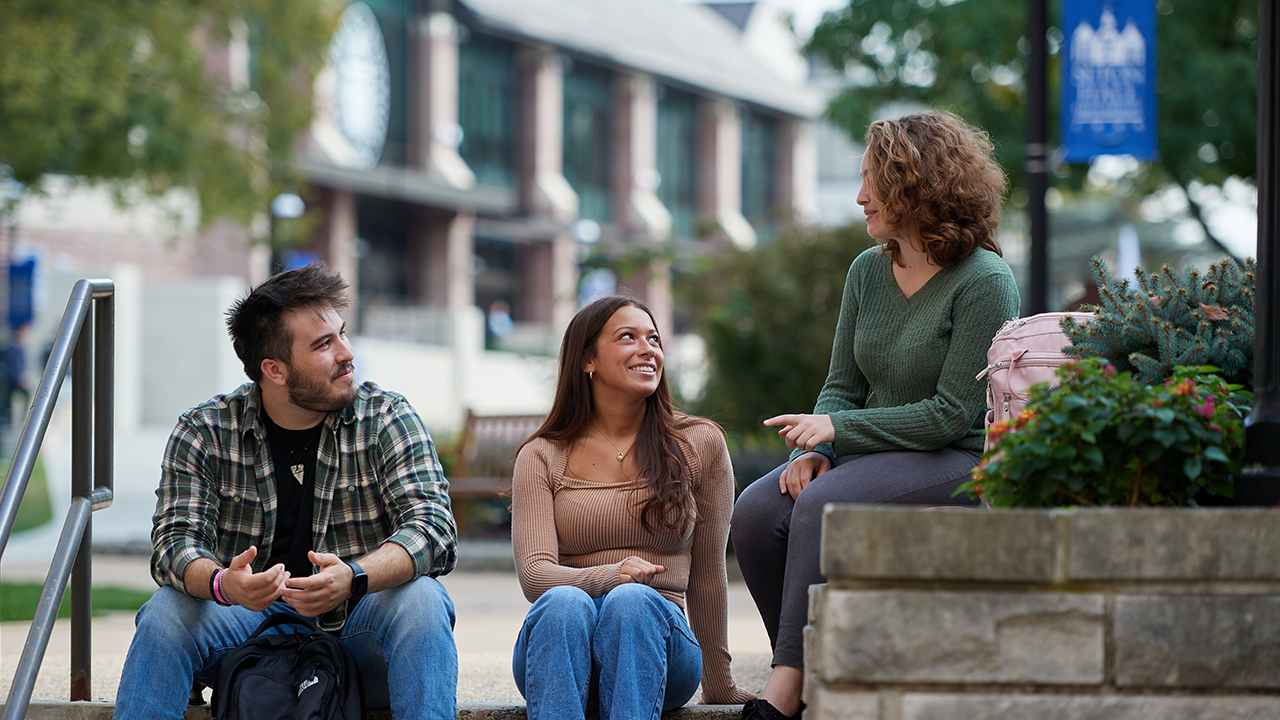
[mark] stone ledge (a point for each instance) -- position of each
(1174, 544)
(66, 710)
(886, 542)
(922, 706)
(880, 543)
(1198, 641)
(949, 637)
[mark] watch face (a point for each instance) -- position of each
(353, 92)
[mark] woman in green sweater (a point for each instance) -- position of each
(899, 419)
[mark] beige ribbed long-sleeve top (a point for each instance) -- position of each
(576, 531)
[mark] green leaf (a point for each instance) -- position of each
(1191, 466)
(1094, 456)
(1213, 452)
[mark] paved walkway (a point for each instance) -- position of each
(488, 601)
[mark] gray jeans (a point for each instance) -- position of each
(776, 540)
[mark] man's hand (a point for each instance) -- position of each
(324, 590)
(802, 471)
(256, 591)
(639, 570)
(804, 431)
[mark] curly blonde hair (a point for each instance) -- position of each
(932, 173)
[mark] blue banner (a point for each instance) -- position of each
(1108, 79)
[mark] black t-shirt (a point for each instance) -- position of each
(294, 498)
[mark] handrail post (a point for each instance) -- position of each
(85, 341)
(104, 401)
(82, 415)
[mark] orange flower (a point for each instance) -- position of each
(997, 429)
(1186, 387)
(1025, 417)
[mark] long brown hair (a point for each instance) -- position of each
(658, 457)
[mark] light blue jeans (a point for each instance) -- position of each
(401, 637)
(630, 649)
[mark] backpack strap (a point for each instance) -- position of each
(283, 618)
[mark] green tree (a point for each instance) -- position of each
(771, 315)
(120, 90)
(971, 56)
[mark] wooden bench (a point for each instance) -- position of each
(487, 456)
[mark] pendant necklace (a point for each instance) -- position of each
(300, 468)
(621, 453)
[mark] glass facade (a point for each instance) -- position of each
(678, 157)
(487, 108)
(496, 275)
(760, 172)
(588, 119)
(383, 242)
(394, 17)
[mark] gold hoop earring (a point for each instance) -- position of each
(591, 374)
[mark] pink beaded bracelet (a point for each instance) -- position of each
(218, 597)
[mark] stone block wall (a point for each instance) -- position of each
(1048, 615)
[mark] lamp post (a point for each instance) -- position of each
(1037, 158)
(1258, 483)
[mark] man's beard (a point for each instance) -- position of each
(317, 396)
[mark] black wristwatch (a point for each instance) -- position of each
(359, 584)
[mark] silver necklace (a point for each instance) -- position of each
(300, 467)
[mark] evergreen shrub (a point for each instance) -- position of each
(1170, 318)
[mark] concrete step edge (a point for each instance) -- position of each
(103, 710)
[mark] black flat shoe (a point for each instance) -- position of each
(760, 709)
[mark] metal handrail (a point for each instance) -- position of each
(91, 357)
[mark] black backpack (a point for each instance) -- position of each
(300, 675)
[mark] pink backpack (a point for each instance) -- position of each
(1024, 352)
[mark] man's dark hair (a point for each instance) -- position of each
(256, 323)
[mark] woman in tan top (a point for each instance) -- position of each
(620, 515)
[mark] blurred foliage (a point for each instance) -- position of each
(768, 319)
(970, 56)
(128, 90)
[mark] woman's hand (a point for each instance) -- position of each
(802, 471)
(804, 431)
(639, 570)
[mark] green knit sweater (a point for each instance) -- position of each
(902, 369)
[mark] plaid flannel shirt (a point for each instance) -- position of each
(378, 480)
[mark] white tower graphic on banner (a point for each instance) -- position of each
(1108, 69)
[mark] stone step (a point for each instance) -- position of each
(66, 710)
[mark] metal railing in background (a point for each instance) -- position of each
(85, 342)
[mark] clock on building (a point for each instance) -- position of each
(353, 92)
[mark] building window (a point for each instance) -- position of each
(394, 17)
(588, 118)
(760, 171)
(678, 157)
(487, 108)
(383, 239)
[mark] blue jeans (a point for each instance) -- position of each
(401, 637)
(630, 648)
